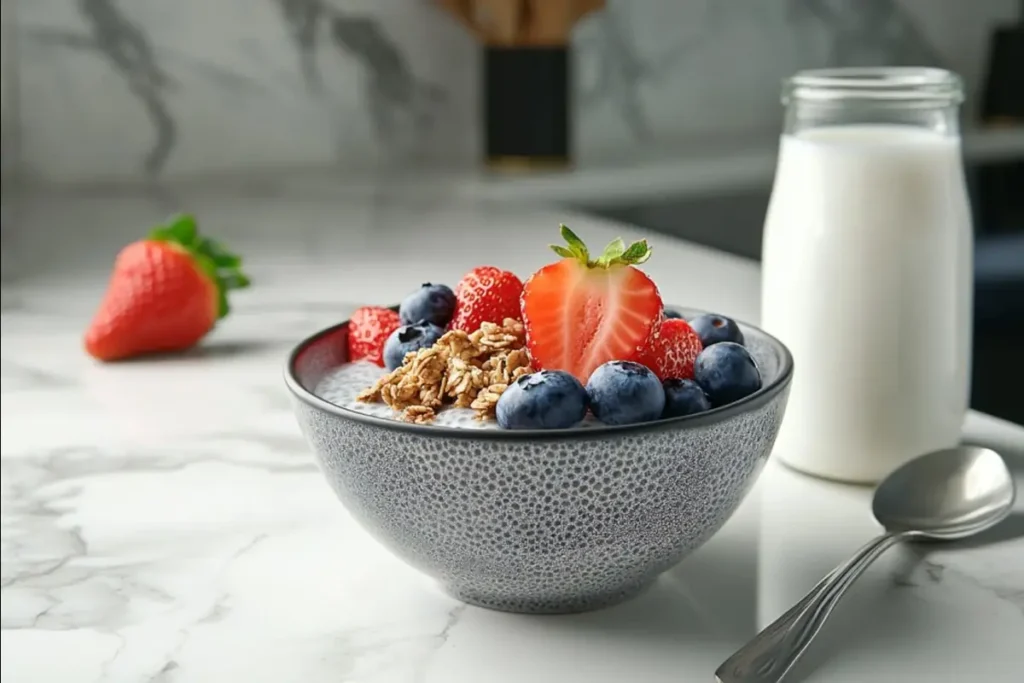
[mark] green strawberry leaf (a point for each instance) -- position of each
(235, 281)
(615, 254)
(576, 245)
(184, 228)
(637, 253)
(613, 251)
(210, 256)
(218, 254)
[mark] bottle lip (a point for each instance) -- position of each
(896, 85)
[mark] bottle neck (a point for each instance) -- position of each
(916, 97)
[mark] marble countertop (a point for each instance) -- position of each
(164, 522)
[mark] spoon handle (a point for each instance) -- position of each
(773, 652)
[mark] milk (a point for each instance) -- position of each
(867, 278)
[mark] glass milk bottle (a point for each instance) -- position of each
(867, 269)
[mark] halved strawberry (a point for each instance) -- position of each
(673, 350)
(580, 313)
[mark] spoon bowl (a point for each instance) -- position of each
(946, 495)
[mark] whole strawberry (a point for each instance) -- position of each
(368, 328)
(486, 295)
(166, 293)
(580, 312)
(673, 350)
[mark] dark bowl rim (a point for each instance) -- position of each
(758, 399)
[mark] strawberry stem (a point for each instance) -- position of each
(615, 254)
(212, 257)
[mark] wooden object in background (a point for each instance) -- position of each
(526, 80)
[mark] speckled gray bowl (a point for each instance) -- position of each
(541, 521)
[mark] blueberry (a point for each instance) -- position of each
(409, 338)
(549, 399)
(715, 329)
(622, 392)
(684, 397)
(726, 372)
(432, 303)
(671, 313)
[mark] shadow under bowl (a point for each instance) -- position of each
(538, 521)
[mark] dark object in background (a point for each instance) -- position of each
(526, 106)
(1002, 106)
(1002, 98)
(998, 372)
(527, 81)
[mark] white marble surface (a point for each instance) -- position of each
(106, 89)
(163, 521)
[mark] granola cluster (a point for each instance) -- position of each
(467, 370)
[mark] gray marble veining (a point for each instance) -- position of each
(393, 91)
(107, 89)
(126, 47)
(303, 18)
(868, 32)
(622, 70)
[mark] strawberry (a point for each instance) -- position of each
(486, 295)
(673, 350)
(580, 313)
(368, 329)
(166, 293)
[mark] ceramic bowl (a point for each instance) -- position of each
(541, 521)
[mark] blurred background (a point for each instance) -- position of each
(672, 122)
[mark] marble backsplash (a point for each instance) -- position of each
(98, 90)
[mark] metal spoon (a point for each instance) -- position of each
(940, 496)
